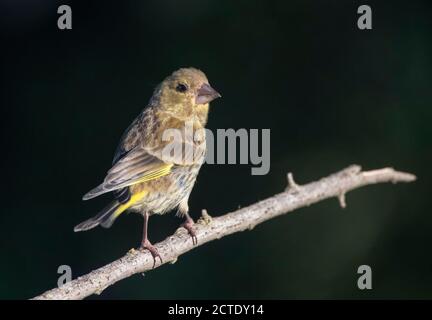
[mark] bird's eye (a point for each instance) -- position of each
(181, 87)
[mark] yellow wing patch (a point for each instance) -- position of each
(160, 172)
(154, 174)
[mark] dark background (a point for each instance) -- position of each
(332, 95)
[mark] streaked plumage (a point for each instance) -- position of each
(144, 180)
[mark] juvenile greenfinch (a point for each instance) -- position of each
(143, 178)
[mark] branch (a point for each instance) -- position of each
(208, 229)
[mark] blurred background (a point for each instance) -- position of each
(331, 94)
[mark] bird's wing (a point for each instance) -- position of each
(135, 161)
(135, 166)
(132, 163)
(181, 153)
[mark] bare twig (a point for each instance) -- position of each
(208, 229)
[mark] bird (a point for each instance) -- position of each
(146, 176)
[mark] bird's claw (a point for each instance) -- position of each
(154, 252)
(189, 226)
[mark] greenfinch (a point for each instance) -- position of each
(146, 179)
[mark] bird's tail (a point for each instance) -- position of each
(107, 215)
(105, 218)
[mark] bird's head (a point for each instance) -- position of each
(186, 93)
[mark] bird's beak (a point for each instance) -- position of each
(205, 94)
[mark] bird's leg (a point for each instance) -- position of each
(189, 226)
(146, 244)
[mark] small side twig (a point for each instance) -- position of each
(292, 185)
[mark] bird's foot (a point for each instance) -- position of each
(146, 244)
(189, 226)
